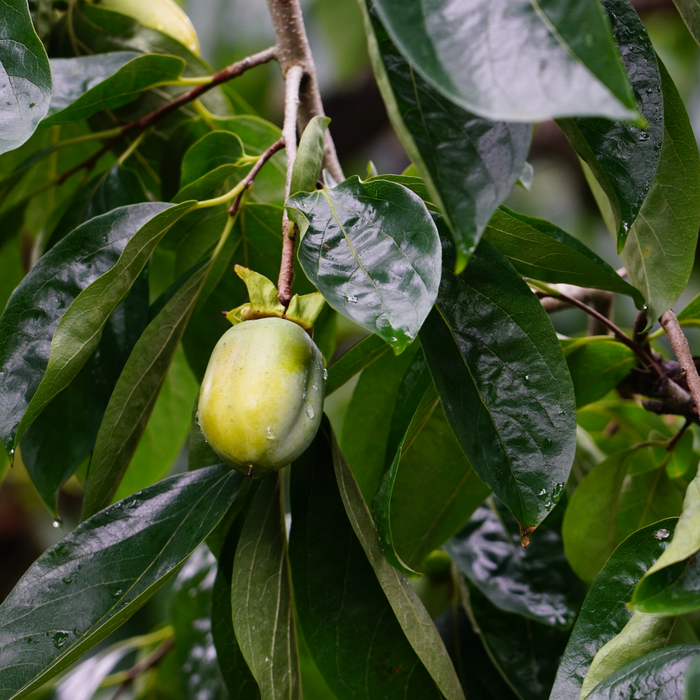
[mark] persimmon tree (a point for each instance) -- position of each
(504, 512)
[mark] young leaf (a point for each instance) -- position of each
(536, 582)
(567, 65)
(541, 250)
(624, 157)
(348, 623)
(25, 93)
(96, 577)
(261, 597)
(360, 356)
(210, 152)
(409, 611)
(468, 164)
(307, 164)
(373, 251)
(659, 254)
(39, 302)
(604, 612)
(522, 448)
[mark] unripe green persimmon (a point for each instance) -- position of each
(164, 15)
(261, 400)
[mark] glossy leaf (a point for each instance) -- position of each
(123, 86)
(659, 253)
(307, 164)
(541, 250)
(108, 567)
(624, 157)
(80, 328)
(135, 395)
(210, 152)
(597, 368)
(659, 673)
(25, 93)
(468, 164)
(604, 612)
(35, 308)
(191, 618)
(348, 623)
(360, 356)
(261, 596)
(504, 384)
(536, 582)
(409, 611)
(373, 251)
(563, 63)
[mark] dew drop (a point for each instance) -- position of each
(527, 377)
(542, 492)
(325, 374)
(661, 534)
(117, 593)
(270, 434)
(57, 523)
(310, 411)
(59, 639)
(67, 581)
(196, 418)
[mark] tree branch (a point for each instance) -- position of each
(679, 343)
(293, 49)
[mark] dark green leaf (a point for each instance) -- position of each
(659, 674)
(191, 618)
(692, 679)
(37, 305)
(690, 316)
(690, 12)
(348, 623)
(660, 251)
(623, 157)
(135, 395)
(504, 384)
(544, 252)
(468, 164)
(410, 612)
(211, 151)
(536, 582)
(100, 574)
(605, 613)
(80, 328)
(261, 596)
(566, 62)
(307, 164)
(373, 251)
(25, 93)
(355, 360)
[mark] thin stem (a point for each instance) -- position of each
(679, 343)
(676, 438)
(132, 147)
(149, 662)
(289, 134)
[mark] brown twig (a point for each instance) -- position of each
(153, 659)
(676, 438)
(679, 343)
(248, 180)
(140, 125)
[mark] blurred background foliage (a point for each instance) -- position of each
(232, 29)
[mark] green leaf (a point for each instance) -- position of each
(597, 367)
(692, 679)
(469, 164)
(39, 302)
(261, 596)
(349, 625)
(307, 164)
(567, 65)
(135, 395)
(541, 250)
(25, 94)
(690, 316)
(659, 673)
(690, 12)
(191, 618)
(671, 586)
(125, 85)
(410, 612)
(624, 157)
(504, 383)
(360, 356)
(80, 328)
(659, 254)
(604, 612)
(373, 251)
(536, 582)
(210, 152)
(96, 577)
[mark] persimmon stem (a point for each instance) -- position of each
(679, 343)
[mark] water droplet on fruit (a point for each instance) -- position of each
(310, 411)
(270, 433)
(196, 418)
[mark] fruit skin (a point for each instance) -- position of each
(261, 400)
(164, 15)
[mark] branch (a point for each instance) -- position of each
(679, 343)
(293, 49)
(153, 659)
(289, 134)
(148, 120)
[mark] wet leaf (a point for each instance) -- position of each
(307, 164)
(360, 356)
